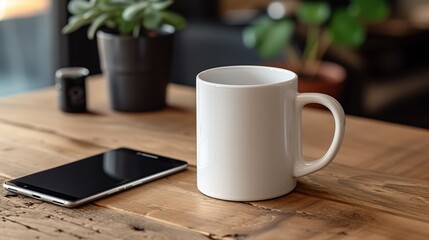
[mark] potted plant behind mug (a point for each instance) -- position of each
(135, 47)
(273, 35)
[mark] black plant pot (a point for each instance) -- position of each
(137, 70)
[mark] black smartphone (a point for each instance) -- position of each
(98, 176)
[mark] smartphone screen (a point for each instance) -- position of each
(93, 177)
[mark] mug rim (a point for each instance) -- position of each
(292, 77)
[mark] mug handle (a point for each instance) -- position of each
(302, 165)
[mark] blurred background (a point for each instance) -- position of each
(387, 77)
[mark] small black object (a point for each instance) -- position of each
(70, 83)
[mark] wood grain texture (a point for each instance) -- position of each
(26, 218)
(377, 187)
(304, 205)
(368, 144)
(322, 198)
(170, 131)
(396, 195)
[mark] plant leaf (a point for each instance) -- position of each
(161, 5)
(129, 17)
(131, 12)
(120, 1)
(78, 6)
(126, 27)
(74, 23)
(346, 30)
(96, 24)
(152, 20)
(275, 39)
(173, 19)
(313, 13)
(369, 10)
(254, 33)
(91, 14)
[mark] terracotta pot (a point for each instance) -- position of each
(329, 79)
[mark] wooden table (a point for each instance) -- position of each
(376, 188)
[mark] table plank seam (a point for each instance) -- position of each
(51, 132)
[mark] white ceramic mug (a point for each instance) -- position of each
(249, 134)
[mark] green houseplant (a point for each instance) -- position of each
(135, 47)
(321, 27)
